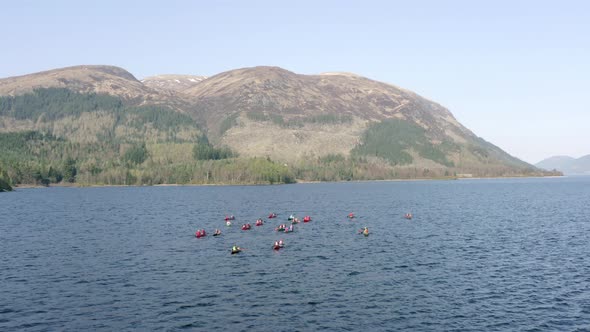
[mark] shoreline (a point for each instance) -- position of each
(74, 185)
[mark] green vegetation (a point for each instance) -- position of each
(55, 103)
(329, 119)
(257, 116)
(4, 184)
(161, 118)
(354, 168)
(203, 150)
(278, 120)
(136, 155)
(23, 157)
(90, 139)
(227, 123)
(392, 139)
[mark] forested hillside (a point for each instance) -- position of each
(69, 137)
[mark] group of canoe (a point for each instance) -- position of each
(259, 222)
(281, 228)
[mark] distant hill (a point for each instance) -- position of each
(567, 165)
(249, 125)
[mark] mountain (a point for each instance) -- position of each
(275, 112)
(567, 165)
(250, 125)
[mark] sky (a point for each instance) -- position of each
(516, 73)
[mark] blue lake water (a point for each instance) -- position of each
(479, 255)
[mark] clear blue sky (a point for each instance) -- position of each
(517, 73)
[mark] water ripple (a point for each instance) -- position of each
(489, 255)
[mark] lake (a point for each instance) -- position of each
(478, 255)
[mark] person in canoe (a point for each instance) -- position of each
(408, 216)
(306, 219)
(290, 229)
(291, 217)
(281, 243)
(235, 249)
(276, 246)
(259, 222)
(228, 223)
(280, 228)
(365, 231)
(217, 232)
(230, 217)
(272, 215)
(198, 233)
(351, 215)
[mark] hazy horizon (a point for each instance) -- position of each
(514, 73)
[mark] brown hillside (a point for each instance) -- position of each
(97, 79)
(272, 90)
